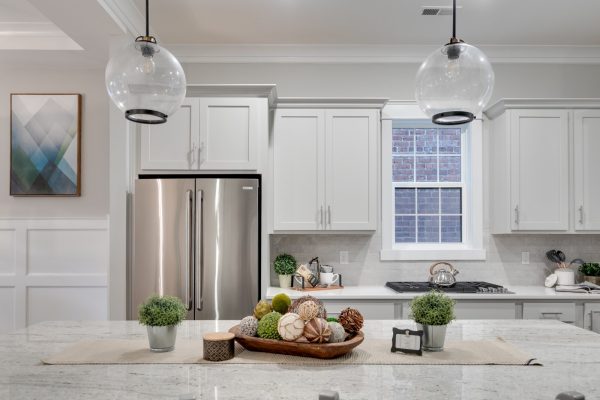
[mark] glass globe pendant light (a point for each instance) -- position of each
(455, 82)
(145, 80)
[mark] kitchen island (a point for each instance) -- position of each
(570, 355)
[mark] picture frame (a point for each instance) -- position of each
(45, 144)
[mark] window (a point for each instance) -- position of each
(431, 188)
(427, 175)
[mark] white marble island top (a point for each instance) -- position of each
(384, 293)
(571, 358)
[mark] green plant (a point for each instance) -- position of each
(161, 311)
(590, 269)
(284, 264)
(332, 319)
(281, 302)
(267, 326)
(433, 308)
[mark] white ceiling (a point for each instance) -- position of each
(382, 22)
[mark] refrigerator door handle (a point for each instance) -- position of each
(189, 259)
(199, 250)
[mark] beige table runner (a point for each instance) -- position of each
(370, 352)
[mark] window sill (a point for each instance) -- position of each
(414, 254)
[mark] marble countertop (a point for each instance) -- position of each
(385, 293)
(571, 358)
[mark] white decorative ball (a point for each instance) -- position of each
(338, 334)
(248, 326)
(290, 327)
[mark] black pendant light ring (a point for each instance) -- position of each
(132, 115)
(453, 118)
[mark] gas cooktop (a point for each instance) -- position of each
(459, 287)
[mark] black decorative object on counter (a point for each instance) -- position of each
(407, 341)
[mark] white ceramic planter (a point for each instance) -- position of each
(285, 281)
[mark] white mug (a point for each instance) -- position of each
(329, 278)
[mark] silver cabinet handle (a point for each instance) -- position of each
(329, 215)
(581, 215)
(592, 320)
(517, 214)
(199, 250)
(201, 153)
(321, 213)
(189, 251)
(555, 314)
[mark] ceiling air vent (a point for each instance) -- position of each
(437, 10)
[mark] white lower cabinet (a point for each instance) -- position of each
(591, 317)
(484, 310)
(565, 311)
(369, 309)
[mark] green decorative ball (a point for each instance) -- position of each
(281, 302)
(267, 326)
(262, 308)
(332, 319)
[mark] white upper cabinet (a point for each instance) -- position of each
(298, 173)
(325, 169)
(228, 133)
(543, 166)
(539, 169)
(172, 145)
(206, 134)
(587, 169)
(350, 172)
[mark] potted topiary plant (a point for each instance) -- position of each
(591, 272)
(161, 315)
(432, 312)
(285, 266)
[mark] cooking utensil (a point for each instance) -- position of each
(552, 256)
(442, 274)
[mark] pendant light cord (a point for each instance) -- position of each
(148, 19)
(453, 18)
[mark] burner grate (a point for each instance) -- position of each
(459, 287)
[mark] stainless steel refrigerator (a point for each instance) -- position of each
(199, 240)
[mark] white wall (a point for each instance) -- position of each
(54, 250)
(94, 136)
(396, 81)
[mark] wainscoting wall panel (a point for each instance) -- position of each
(52, 269)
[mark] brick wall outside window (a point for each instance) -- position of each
(427, 156)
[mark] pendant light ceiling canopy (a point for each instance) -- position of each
(145, 80)
(455, 82)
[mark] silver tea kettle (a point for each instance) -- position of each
(442, 274)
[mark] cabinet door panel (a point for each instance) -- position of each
(351, 169)
(587, 165)
(591, 317)
(564, 312)
(540, 169)
(228, 133)
(369, 309)
(169, 145)
(298, 169)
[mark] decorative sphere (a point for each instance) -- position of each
(338, 334)
(455, 77)
(290, 327)
(262, 308)
(351, 319)
(308, 310)
(317, 331)
(248, 326)
(281, 302)
(267, 326)
(296, 304)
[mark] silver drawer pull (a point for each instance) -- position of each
(551, 315)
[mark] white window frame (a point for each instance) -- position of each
(471, 248)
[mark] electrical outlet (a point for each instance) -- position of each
(343, 257)
(524, 257)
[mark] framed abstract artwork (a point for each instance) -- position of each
(45, 145)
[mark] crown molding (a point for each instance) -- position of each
(199, 53)
(268, 91)
(502, 105)
(330, 102)
(126, 15)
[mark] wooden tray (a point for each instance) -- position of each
(324, 351)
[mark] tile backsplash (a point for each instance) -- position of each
(503, 264)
